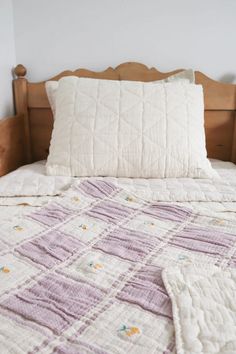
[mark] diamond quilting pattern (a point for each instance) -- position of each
(129, 129)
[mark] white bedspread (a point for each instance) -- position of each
(35, 188)
(204, 308)
(31, 180)
(196, 295)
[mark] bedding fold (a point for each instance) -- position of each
(204, 308)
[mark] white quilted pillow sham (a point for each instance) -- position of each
(128, 129)
(187, 76)
(51, 90)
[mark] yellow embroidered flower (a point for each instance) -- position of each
(220, 222)
(132, 330)
(149, 223)
(96, 266)
(83, 227)
(76, 199)
(18, 228)
(217, 222)
(129, 199)
(129, 331)
(5, 269)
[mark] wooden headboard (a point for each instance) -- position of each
(220, 108)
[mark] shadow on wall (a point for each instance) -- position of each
(228, 78)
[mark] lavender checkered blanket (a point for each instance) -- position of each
(83, 274)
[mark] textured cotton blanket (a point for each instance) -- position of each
(84, 275)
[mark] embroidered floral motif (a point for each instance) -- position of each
(4, 269)
(95, 266)
(83, 227)
(150, 223)
(182, 257)
(129, 331)
(129, 199)
(218, 222)
(76, 199)
(23, 204)
(18, 228)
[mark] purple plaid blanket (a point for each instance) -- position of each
(83, 274)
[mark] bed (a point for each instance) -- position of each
(114, 265)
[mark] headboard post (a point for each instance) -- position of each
(20, 88)
(233, 155)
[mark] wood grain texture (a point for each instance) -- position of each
(217, 95)
(219, 98)
(219, 127)
(12, 152)
(41, 124)
(20, 90)
(233, 153)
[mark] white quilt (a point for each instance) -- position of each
(31, 181)
(204, 308)
(128, 129)
(186, 189)
(203, 301)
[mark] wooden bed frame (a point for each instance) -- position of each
(26, 137)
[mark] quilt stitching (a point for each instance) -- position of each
(121, 135)
(91, 267)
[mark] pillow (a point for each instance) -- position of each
(128, 129)
(186, 75)
(51, 86)
(51, 89)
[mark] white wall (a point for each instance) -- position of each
(53, 35)
(7, 57)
